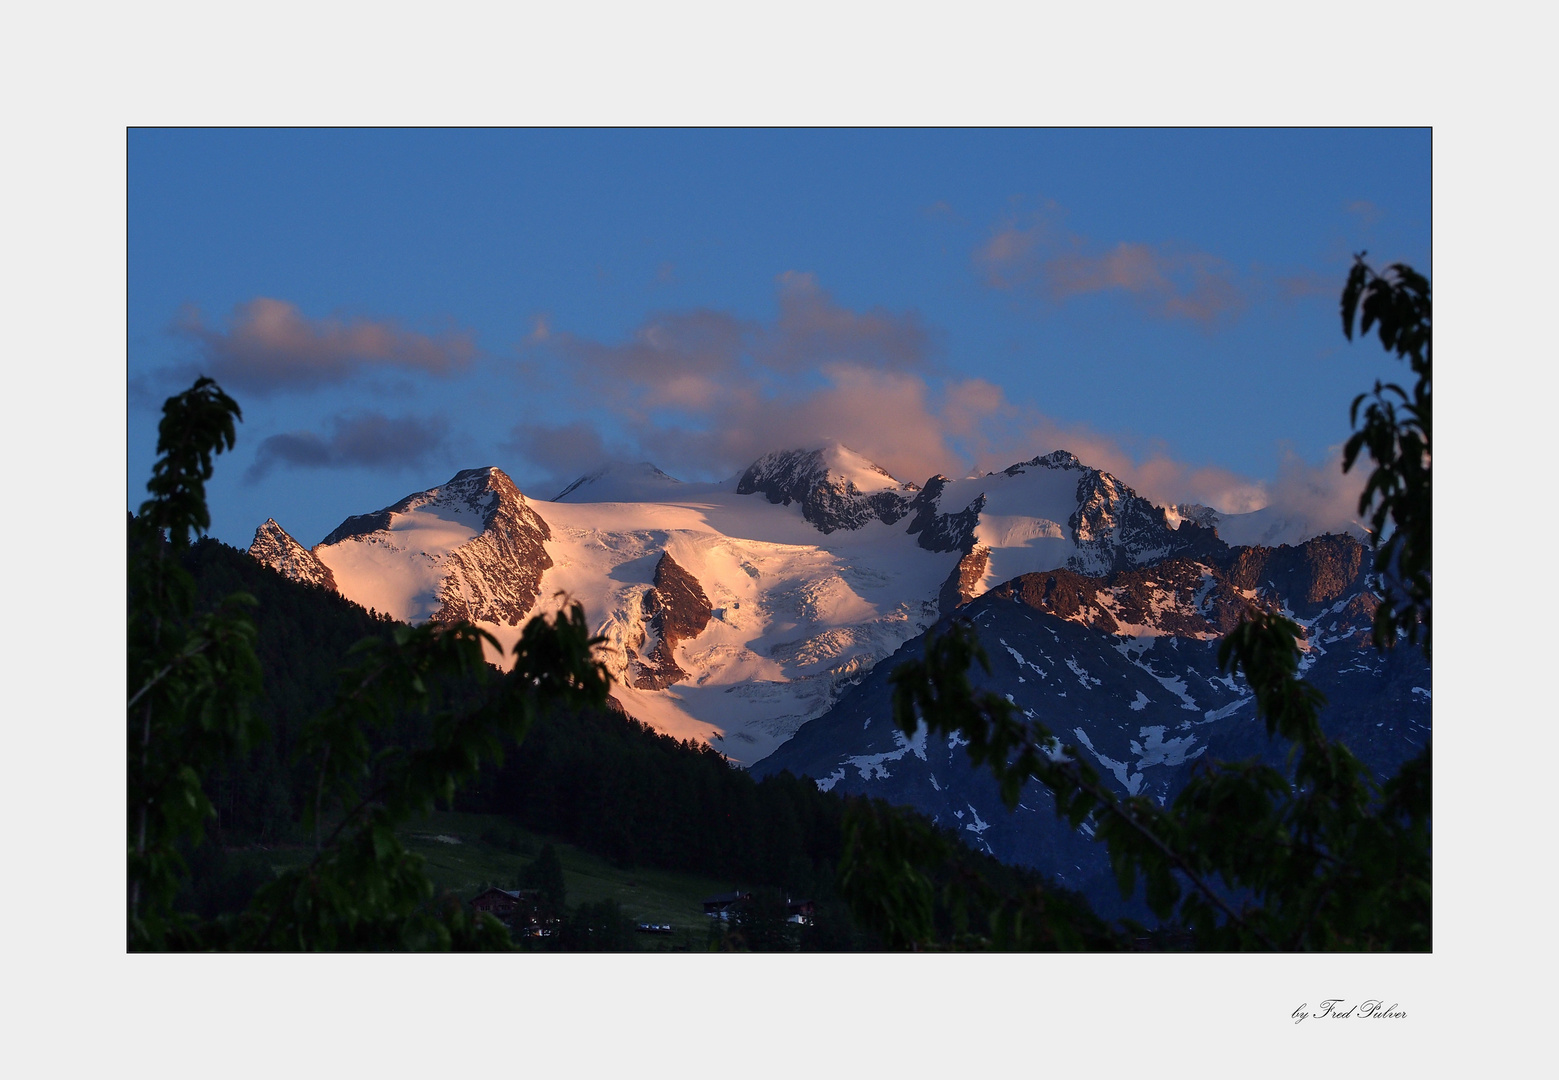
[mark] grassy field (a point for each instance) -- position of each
(467, 852)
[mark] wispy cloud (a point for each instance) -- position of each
(562, 452)
(812, 329)
(366, 439)
(269, 345)
(672, 359)
(1033, 255)
(702, 360)
(1367, 211)
(703, 393)
(719, 390)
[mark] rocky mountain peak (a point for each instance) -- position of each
(1056, 459)
(1205, 516)
(1115, 528)
(835, 487)
(276, 548)
(474, 540)
(485, 493)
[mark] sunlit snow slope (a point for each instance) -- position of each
(813, 565)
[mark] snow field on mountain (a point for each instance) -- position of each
(793, 621)
(399, 573)
(797, 613)
(865, 474)
(1023, 522)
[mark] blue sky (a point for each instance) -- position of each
(391, 306)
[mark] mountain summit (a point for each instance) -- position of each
(835, 487)
(734, 612)
(275, 548)
(471, 548)
(619, 482)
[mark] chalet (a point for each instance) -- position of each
(505, 904)
(722, 906)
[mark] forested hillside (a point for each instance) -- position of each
(594, 778)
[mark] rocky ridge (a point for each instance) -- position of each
(797, 593)
(275, 548)
(1124, 667)
(829, 498)
(675, 610)
(496, 576)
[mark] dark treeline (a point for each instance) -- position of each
(599, 780)
(303, 634)
(616, 787)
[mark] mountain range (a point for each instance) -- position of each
(756, 613)
(801, 572)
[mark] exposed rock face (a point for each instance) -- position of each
(1311, 576)
(1116, 528)
(936, 531)
(962, 584)
(1124, 668)
(1205, 598)
(1179, 597)
(1205, 516)
(496, 576)
(493, 577)
(828, 498)
(675, 610)
(278, 550)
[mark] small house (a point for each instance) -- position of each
(722, 906)
(505, 904)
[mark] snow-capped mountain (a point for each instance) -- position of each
(835, 487)
(1267, 527)
(1123, 666)
(619, 482)
(469, 549)
(736, 611)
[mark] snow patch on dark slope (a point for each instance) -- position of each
(814, 566)
(1124, 667)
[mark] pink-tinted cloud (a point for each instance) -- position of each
(269, 345)
(1305, 284)
(674, 359)
(1321, 494)
(703, 393)
(884, 415)
(562, 452)
(1367, 211)
(812, 329)
(366, 439)
(1035, 257)
(697, 360)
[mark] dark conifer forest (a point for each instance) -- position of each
(594, 778)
